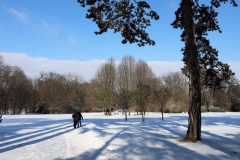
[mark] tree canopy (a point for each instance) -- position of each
(129, 18)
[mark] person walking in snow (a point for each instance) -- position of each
(80, 117)
(75, 118)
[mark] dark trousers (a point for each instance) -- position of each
(79, 122)
(75, 124)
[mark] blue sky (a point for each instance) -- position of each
(55, 34)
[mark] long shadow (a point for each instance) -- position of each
(90, 155)
(219, 141)
(102, 130)
(142, 142)
(25, 138)
(16, 128)
(16, 140)
(212, 121)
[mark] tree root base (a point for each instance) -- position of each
(188, 140)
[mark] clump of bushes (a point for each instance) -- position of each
(203, 109)
(212, 109)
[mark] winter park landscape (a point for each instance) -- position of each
(52, 137)
(165, 56)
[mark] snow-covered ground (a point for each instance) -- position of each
(52, 137)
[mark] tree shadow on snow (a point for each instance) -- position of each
(142, 141)
(31, 131)
(229, 146)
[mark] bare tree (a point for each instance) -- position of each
(35, 99)
(177, 83)
(75, 92)
(2, 87)
(19, 89)
(143, 82)
(94, 101)
(15, 88)
(5, 72)
(105, 80)
(233, 94)
(51, 91)
(125, 83)
(161, 95)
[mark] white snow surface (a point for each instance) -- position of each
(52, 137)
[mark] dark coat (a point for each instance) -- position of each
(75, 116)
(79, 115)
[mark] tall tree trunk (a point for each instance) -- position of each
(162, 113)
(125, 114)
(143, 117)
(194, 120)
(110, 110)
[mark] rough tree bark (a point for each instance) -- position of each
(194, 120)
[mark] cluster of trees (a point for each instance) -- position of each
(132, 85)
(128, 85)
(224, 99)
(48, 93)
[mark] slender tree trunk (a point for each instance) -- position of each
(194, 120)
(110, 110)
(162, 113)
(143, 117)
(125, 114)
(50, 110)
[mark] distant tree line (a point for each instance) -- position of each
(128, 85)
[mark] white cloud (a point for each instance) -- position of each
(33, 66)
(21, 16)
(162, 67)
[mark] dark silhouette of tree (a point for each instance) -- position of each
(122, 16)
(130, 18)
(214, 73)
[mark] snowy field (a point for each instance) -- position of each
(52, 137)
